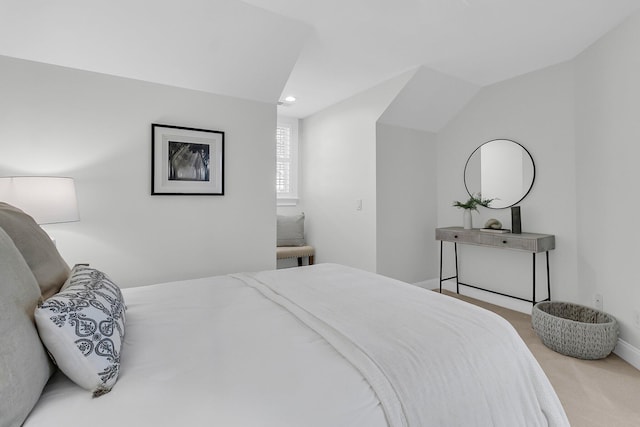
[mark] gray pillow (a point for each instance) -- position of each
(24, 364)
(291, 230)
(37, 248)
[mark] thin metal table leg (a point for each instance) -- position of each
(455, 248)
(441, 242)
(548, 278)
(533, 301)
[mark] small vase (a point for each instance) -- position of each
(466, 219)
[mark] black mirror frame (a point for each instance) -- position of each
(533, 164)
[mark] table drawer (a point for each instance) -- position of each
(529, 245)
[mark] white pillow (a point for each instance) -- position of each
(82, 326)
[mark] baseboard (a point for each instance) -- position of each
(628, 353)
(428, 284)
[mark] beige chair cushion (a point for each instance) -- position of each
(24, 364)
(37, 248)
(294, 252)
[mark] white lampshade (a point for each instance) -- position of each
(47, 199)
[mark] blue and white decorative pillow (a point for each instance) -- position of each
(82, 327)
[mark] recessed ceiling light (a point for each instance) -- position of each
(290, 98)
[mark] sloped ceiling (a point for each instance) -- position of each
(359, 43)
(321, 51)
(428, 101)
(225, 47)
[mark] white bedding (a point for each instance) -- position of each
(218, 352)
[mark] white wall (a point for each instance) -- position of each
(608, 176)
(97, 129)
(535, 110)
(406, 203)
(338, 158)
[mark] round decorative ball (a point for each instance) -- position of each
(493, 224)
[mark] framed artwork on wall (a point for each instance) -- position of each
(186, 161)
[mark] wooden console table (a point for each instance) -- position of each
(527, 242)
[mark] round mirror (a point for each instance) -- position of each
(502, 170)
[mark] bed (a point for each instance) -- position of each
(323, 345)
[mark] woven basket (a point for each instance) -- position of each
(575, 330)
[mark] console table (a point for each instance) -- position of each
(526, 242)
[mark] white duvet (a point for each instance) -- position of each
(316, 346)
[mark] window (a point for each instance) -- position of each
(287, 161)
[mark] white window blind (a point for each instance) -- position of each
(287, 160)
(283, 177)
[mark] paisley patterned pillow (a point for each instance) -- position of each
(82, 327)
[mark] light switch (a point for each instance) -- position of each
(359, 204)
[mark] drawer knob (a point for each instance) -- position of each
(455, 236)
(504, 241)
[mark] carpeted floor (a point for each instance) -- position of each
(594, 393)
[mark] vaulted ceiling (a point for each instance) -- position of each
(320, 51)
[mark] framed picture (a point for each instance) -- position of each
(186, 161)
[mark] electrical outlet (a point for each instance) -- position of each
(636, 318)
(597, 301)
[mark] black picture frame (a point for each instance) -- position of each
(186, 161)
